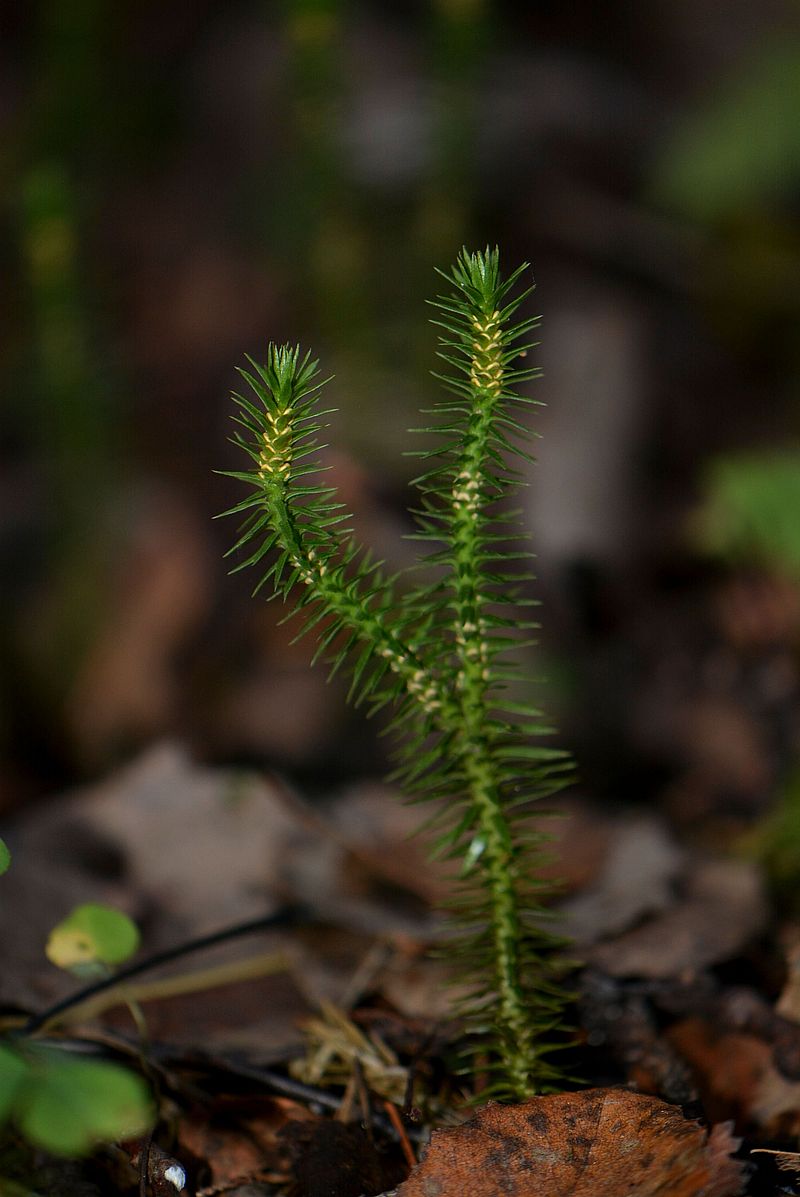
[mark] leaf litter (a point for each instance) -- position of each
(316, 1063)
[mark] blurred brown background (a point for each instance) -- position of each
(182, 182)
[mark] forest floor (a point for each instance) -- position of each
(308, 1050)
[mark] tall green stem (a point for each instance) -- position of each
(495, 847)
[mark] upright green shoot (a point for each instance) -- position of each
(441, 653)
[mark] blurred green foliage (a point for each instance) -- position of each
(751, 511)
(137, 148)
(321, 156)
(360, 251)
(742, 146)
(67, 1105)
(775, 843)
(72, 418)
(732, 166)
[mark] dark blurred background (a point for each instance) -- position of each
(182, 182)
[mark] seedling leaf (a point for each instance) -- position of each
(92, 936)
(67, 1105)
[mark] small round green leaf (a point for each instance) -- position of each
(5, 857)
(69, 1105)
(92, 935)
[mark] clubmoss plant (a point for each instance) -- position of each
(438, 646)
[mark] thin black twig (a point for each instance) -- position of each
(284, 916)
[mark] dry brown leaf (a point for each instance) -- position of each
(737, 1077)
(596, 1143)
(238, 1138)
(776, 1106)
(758, 610)
(723, 907)
(723, 744)
(787, 1161)
(581, 835)
(636, 881)
(728, 1066)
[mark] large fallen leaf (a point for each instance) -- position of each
(596, 1143)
